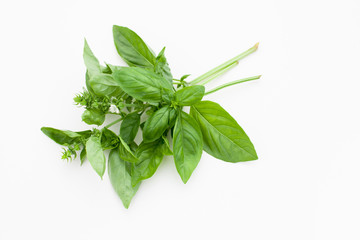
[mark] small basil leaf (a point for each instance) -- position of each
(92, 116)
(156, 125)
(120, 177)
(132, 48)
(85, 134)
(91, 62)
(188, 145)
(142, 84)
(62, 137)
(223, 137)
(150, 156)
(109, 140)
(125, 152)
(106, 69)
(129, 127)
(189, 95)
(82, 155)
(166, 146)
(162, 67)
(184, 77)
(105, 85)
(96, 155)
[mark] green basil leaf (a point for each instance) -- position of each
(82, 155)
(85, 134)
(142, 84)
(157, 123)
(129, 127)
(106, 69)
(125, 152)
(162, 67)
(105, 85)
(62, 137)
(222, 135)
(189, 95)
(184, 77)
(113, 68)
(132, 48)
(87, 83)
(91, 62)
(96, 155)
(120, 177)
(172, 117)
(92, 116)
(166, 146)
(109, 140)
(188, 145)
(150, 156)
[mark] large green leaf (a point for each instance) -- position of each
(132, 48)
(95, 155)
(162, 67)
(188, 145)
(104, 85)
(93, 116)
(129, 127)
(189, 95)
(157, 123)
(150, 156)
(64, 137)
(223, 137)
(142, 84)
(120, 177)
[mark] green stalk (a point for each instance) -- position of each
(225, 64)
(219, 73)
(114, 122)
(233, 83)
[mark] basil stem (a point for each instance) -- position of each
(225, 64)
(219, 73)
(233, 83)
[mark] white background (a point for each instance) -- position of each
(302, 116)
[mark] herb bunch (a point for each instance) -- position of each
(147, 90)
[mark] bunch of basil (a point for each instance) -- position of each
(147, 88)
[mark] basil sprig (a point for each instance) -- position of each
(147, 98)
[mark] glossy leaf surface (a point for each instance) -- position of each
(91, 62)
(105, 85)
(93, 116)
(142, 84)
(150, 156)
(132, 48)
(120, 177)
(129, 127)
(64, 137)
(222, 135)
(109, 140)
(162, 67)
(157, 123)
(188, 145)
(95, 155)
(126, 153)
(189, 95)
